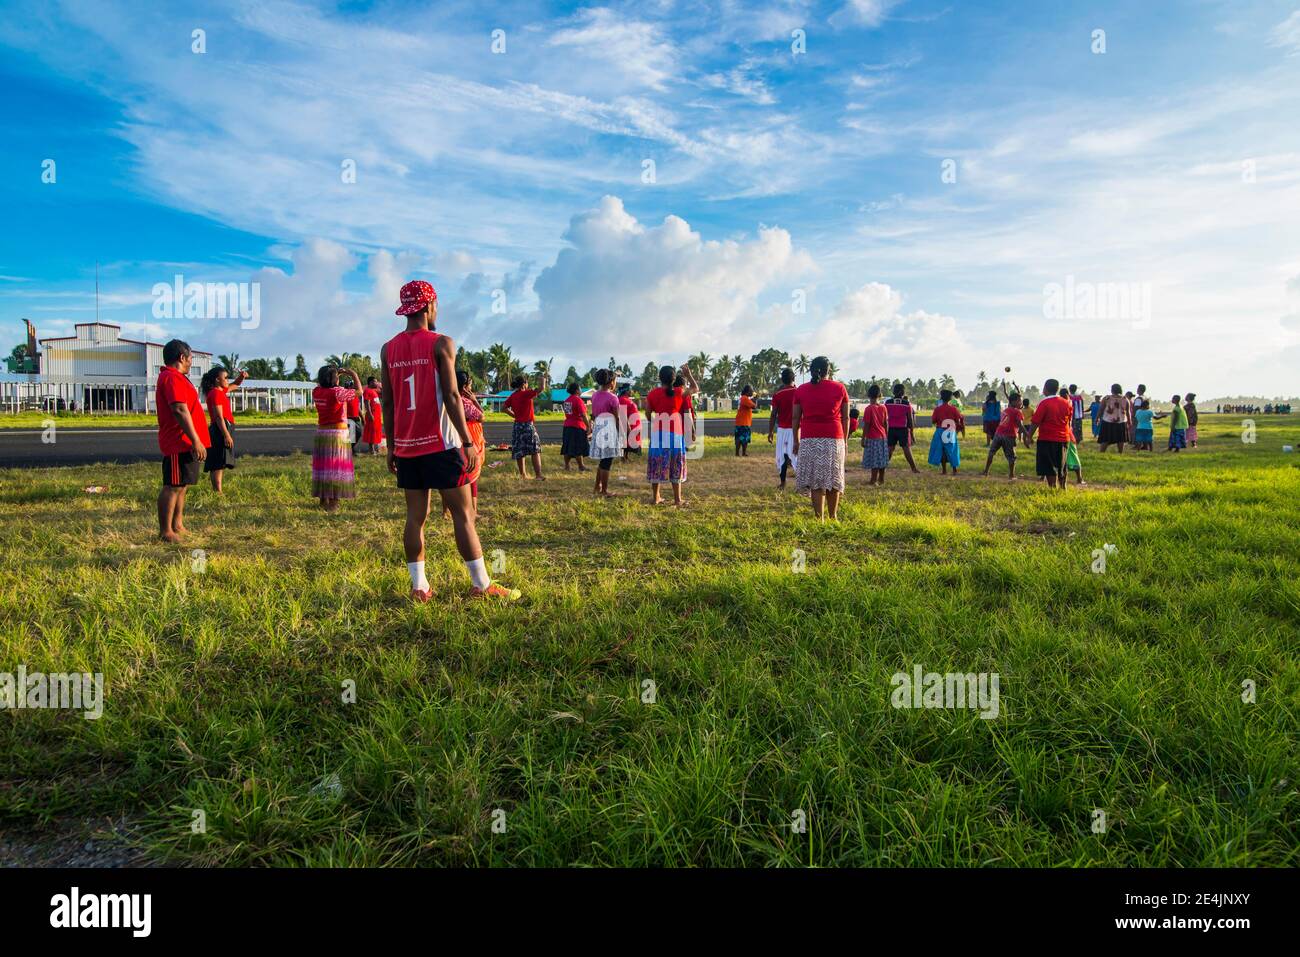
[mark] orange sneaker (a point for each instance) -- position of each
(420, 597)
(495, 591)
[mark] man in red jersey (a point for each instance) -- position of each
(429, 445)
(182, 437)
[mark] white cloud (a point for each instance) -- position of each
(1287, 34)
(632, 48)
(868, 13)
(869, 328)
(627, 289)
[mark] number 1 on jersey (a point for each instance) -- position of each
(410, 384)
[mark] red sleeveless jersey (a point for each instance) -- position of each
(421, 425)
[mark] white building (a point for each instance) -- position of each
(102, 371)
(97, 370)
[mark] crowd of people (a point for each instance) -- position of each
(422, 412)
(1268, 408)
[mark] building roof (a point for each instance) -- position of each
(109, 325)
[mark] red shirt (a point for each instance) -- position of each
(520, 403)
(354, 406)
(1009, 424)
(875, 418)
(372, 401)
(820, 404)
(665, 409)
(783, 402)
(898, 411)
(221, 400)
(633, 413)
(574, 409)
(947, 415)
(331, 403)
(174, 387)
(1053, 417)
(421, 425)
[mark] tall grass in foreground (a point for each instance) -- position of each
(1120, 692)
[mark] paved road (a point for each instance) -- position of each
(23, 448)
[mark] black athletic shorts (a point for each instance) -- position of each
(1051, 458)
(180, 470)
(898, 435)
(1007, 443)
(445, 469)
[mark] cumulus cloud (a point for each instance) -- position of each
(625, 288)
(869, 331)
(309, 310)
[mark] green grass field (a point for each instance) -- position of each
(1120, 691)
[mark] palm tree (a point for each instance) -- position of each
(801, 364)
(281, 368)
(499, 361)
(699, 364)
(230, 362)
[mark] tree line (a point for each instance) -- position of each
(723, 376)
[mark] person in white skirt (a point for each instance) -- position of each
(606, 441)
(821, 424)
(781, 421)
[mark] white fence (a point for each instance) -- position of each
(19, 393)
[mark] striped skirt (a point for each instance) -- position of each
(332, 475)
(821, 465)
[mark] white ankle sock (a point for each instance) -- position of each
(416, 571)
(478, 573)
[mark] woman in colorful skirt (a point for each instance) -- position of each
(606, 442)
(666, 461)
(332, 474)
(820, 421)
(875, 437)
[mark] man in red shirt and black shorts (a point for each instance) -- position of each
(182, 437)
(429, 445)
(1052, 420)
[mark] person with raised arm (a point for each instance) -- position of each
(666, 419)
(215, 388)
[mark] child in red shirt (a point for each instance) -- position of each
(875, 442)
(1004, 436)
(948, 423)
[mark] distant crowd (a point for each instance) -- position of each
(1268, 408)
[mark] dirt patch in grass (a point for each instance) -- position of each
(72, 842)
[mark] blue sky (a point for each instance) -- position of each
(1171, 162)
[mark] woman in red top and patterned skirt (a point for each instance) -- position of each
(821, 423)
(332, 474)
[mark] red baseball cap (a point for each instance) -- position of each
(415, 296)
